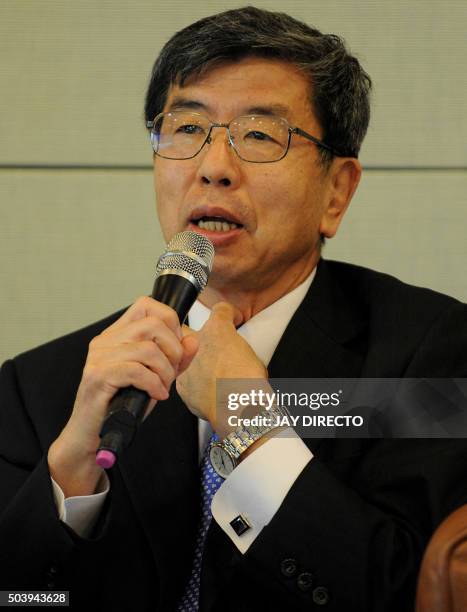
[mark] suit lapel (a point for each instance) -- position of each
(318, 340)
(322, 339)
(161, 472)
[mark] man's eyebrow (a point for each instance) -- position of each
(268, 109)
(181, 103)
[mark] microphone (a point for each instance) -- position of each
(182, 273)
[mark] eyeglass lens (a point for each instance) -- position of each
(181, 135)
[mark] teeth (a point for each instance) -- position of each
(216, 226)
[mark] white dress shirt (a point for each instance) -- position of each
(259, 484)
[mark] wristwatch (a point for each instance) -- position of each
(224, 455)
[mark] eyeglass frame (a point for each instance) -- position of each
(291, 130)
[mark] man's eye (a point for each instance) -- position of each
(190, 129)
(255, 135)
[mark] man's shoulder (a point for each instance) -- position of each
(389, 307)
(401, 324)
(383, 290)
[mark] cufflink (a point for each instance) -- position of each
(240, 525)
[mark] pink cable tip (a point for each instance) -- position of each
(105, 459)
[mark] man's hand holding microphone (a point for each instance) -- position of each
(130, 366)
(144, 348)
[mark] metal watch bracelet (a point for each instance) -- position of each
(243, 437)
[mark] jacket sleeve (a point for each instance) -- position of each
(34, 542)
(353, 531)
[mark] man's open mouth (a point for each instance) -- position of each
(215, 224)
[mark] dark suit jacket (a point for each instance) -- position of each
(348, 537)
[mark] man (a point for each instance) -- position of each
(257, 146)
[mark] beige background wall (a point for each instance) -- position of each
(78, 234)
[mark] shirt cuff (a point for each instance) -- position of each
(81, 512)
(258, 485)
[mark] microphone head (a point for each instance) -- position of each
(188, 254)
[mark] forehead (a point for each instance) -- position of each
(242, 87)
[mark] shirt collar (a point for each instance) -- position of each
(265, 329)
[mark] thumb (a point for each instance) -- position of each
(228, 313)
(190, 343)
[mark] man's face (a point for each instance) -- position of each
(278, 206)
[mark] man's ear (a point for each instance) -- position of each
(345, 176)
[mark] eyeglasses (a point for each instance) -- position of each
(255, 138)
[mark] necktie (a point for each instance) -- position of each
(210, 482)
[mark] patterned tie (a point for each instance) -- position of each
(210, 482)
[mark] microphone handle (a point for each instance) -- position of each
(128, 405)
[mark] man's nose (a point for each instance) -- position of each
(219, 163)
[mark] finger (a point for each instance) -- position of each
(149, 328)
(224, 311)
(109, 377)
(149, 408)
(187, 331)
(146, 306)
(146, 353)
(190, 345)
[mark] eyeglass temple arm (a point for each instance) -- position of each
(320, 143)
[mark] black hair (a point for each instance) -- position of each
(339, 87)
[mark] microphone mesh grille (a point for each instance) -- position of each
(195, 243)
(183, 263)
(183, 254)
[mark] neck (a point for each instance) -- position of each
(250, 302)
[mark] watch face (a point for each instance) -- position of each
(221, 461)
